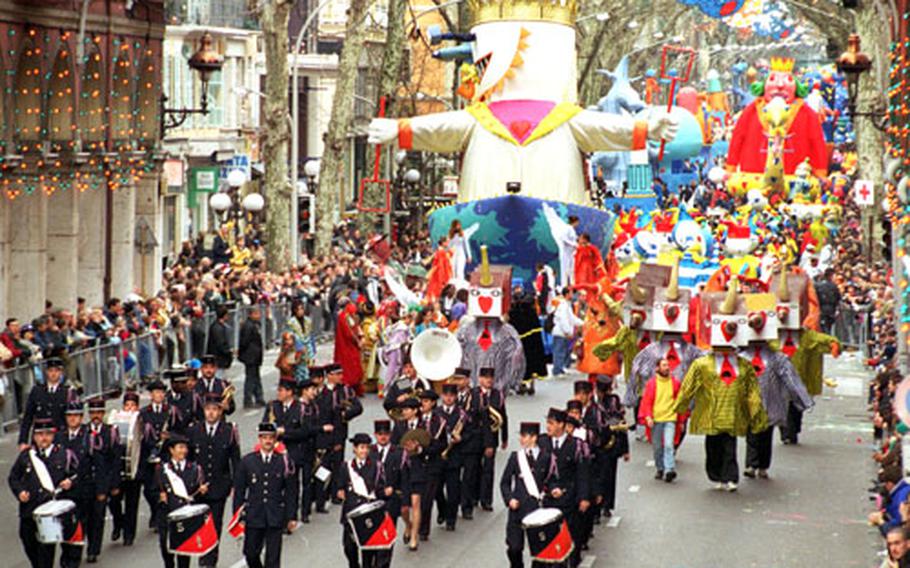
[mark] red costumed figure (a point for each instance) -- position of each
(749, 146)
(347, 347)
(589, 265)
(440, 271)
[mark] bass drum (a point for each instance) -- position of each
(548, 535)
(57, 523)
(372, 526)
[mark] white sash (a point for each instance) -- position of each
(527, 476)
(581, 433)
(176, 482)
(44, 476)
(358, 484)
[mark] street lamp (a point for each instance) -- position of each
(412, 178)
(311, 171)
(205, 61)
(227, 204)
(852, 64)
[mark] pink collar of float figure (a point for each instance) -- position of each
(521, 116)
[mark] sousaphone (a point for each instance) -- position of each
(435, 354)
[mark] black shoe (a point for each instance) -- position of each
(597, 520)
(322, 510)
(467, 515)
(584, 547)
(115, 534)
(608, 513)
(450, 528)
(127, 541)
(440, 520)
(659, 475)
(671, 475)
(91, 559)
(486, 508)
(749, 472)
(424, 537)
(336, 501)
(305, 520)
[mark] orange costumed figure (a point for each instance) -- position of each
(440, 271)
(347, 347)
(589, 265)
(602, 321)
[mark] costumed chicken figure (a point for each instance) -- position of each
(723, 386)
(780, 384)
(486, 340)
(775, 134)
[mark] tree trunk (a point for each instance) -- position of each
(389, 80)
(273, 19)
(870, 142)
(332, 179)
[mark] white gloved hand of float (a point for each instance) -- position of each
(382, 130)
(662, 126)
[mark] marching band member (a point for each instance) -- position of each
(47, 400)
(124, 503)
(312, 426)
(491, 402)
(104, 474)
(263, 488)
(471, 446)
(39, 471)
(285, 414)
(405, 385)
(181, 396)
(392, 460)
(209, 382)
(74, 439)
(360, 480)
(179, 481)
(613, 441)
(583, 438)
(340, 403)
(568, 483)
(456, 419)
(159, 420)
(431, 421)
(216, 448)
(522, 486)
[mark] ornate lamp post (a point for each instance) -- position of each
(852, 64)
(204, 61)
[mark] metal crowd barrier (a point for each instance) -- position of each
(100, 370)
(851, 327)
(113, 367)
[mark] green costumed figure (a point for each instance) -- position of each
(725, 389)
(805, 346)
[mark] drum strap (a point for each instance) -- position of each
(176, 483)
(527, 475)
(44, 476)
(358, 484)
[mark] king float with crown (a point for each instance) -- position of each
(523, 134)
(775, 134)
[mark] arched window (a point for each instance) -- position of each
(27, 109)
(60, 98)
(91, 99)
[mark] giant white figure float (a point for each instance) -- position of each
(523, 123)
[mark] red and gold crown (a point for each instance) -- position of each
(782, 64)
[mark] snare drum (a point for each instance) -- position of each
(57, 523)
(372, 527)
(191, 531)
(548, 535)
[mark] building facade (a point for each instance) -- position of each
(79, 118)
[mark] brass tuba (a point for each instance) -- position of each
(435, 354)
(495, 419)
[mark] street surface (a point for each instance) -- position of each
(810, 513)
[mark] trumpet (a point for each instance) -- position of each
(456, 433)
(621, 427)
(227, 395)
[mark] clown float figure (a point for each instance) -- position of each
(724, 387)
(522, 128)
(758, 145)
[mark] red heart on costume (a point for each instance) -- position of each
(728, 329)
(671, 312)
(486, 340)
(485, 303)
(519, 128)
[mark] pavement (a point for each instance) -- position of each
(810, 513)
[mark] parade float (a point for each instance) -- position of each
(522, 134)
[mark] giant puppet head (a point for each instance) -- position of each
(761, 317)
(671, 305)
(490, 293)
(724, 317)
(523, 50)
(780, 82)
(638, 302)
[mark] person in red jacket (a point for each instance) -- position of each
(664, 425)
(10, 339)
